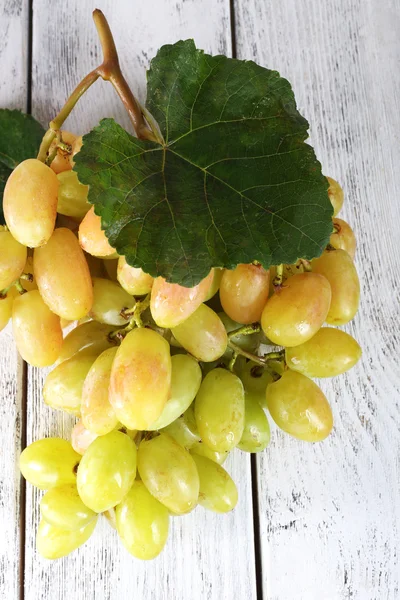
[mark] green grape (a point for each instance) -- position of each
(63, 386)
(185, 383)
(339, 270)
(72, 196)
(107, 471)
(218, 491)
(37, 331)
(108, 301)
(203, 450)
(5, 310)
(111, 267)
(49, 463)
(343, 237)
(244, 292)
(255, 380)
(30, 203)
(97, 413)
(247, 342)
(12, 259)
(217, 276)
(336, 195)
(54, 542)
(299, 407)
(81, 438)
(171, 303)
(330, 352)
(169, 473)
(256, 434)
(202, 334)
(219, 410)
(91, 336)
(62, 507)
(184, 429)
(140, 378)
(142, 523)
(93, 239)
(297, 310)
(134, 280)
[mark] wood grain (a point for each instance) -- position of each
(329, 512)
(13, 94)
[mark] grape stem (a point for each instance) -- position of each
(245, 330)
(278, 279)
(17, 284)
(259, 360)
(109, 70)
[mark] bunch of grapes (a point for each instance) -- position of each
(165, 380)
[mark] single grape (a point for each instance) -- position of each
(109, 299)
(111, 268)
(297, 310)
(134, 280)
(218, 491)
(62, 507)
(255, 379)
(63, 277)
(81, 438)
(171, 303)
(169, 473)
(107, 471)
(202, 334)
(339, 270)
(256, 434)
(336, 195)
(97, 413)
(63, 386)
(30, 203)
(49, 463)
(343, 237)
(142, 523)
(6, 305)
(72, 196)
(299, 407)
(330, 352)
(37, 331)
(91, 335)
(185, 382)
(247, 342)
(63, 159)
(184, 429)
(219, 410)
(216, 282)
(92, 237)
(244, 292)
(203, 450)
(12, 259)
(140, 378)
(54, 542)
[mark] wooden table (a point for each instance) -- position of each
(314, 522)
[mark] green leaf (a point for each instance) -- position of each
(20, 137)
(234, 181)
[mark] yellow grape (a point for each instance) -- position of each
(63, 159)
(107, 471)
(202, 334)
(92, 238)
(169, 473)
(12, 259)
(142, 522)
(203, 450)
(140, 378)
(297, 310)
(109, 299)
(218, 491)
(343, 237)
(49, 463)
(185, 382)
(97, 413)
(134, 280)
(54, 542)
(37, 331)
(81, 438)
(219, 410)
(216, 282)
(256, 434)
(6, 305)
(111, 268)
(72, 196)
(299, 407)
(339, 270)
(255, 379)
(171, 303)
(91, 335)
(62, 507)
(244, 292)
(330, 352)
(184, 429)
(63, 386)
(30, 203)
(63, 276)
(336, 195)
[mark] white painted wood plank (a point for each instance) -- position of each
(208, 556)
(330, 512)
(13, 94)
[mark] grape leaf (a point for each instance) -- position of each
(234, 181)
(20, 137)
